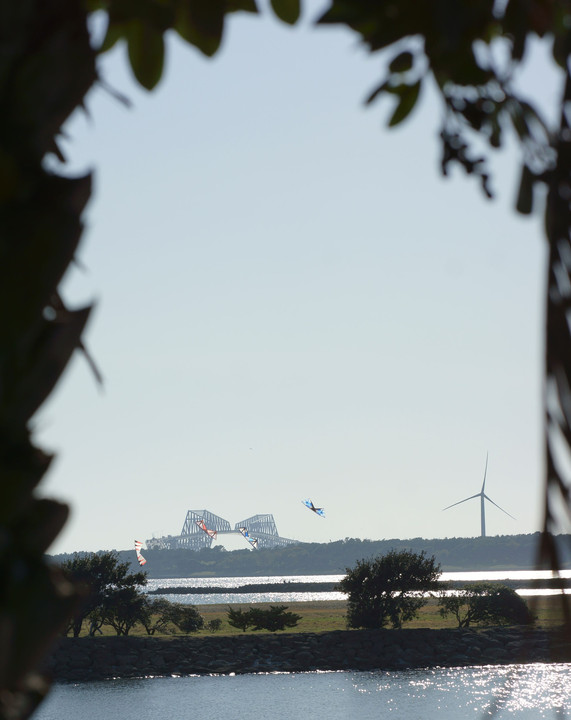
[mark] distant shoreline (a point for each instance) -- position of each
(286, 586)
(476, 554)
(212, 575)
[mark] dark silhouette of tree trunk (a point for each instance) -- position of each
(557, 389)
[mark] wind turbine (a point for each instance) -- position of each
(482, 495)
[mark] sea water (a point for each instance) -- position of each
(514, 692)
(517, 692)
(224, 598)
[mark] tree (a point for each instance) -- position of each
(107, 587)
(273, 619)
(156, 615)
(187, 618)
(214, 625)
(486, 603)
(239, 618)
(121, 608)
(389, 588)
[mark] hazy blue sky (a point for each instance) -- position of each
(291, 303)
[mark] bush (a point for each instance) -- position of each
(276, 618)
(486, 603)
(157, 614)
(388, 588)
(239, 619)
(214, 625)
(187, 618)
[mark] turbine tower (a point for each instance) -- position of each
(482, 495)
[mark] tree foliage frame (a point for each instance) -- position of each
(48, 65)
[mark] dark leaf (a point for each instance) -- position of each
(486, 185)
(92, 364)
(287, 10)
(115, 31)
(373, 96)
(41, 602)
(201, 24)
(402, 62)
(56, 150)
(50, 354)
(58, 305)
(49, 238)
(342, 11)
(42, 524)
(473, 114)
(146, 53)
(244, 5)
(496, 133)
(560, 50)
(94, 5)
(524, 203)
(408, 97)
(530, 113)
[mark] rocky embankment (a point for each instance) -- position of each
(82, 659)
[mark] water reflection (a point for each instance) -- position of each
(285, 596)
(517, 692)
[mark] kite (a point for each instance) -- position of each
(202, 525)
(140, 558)
(311, 506)
(253, 541)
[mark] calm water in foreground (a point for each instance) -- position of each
(517, 692)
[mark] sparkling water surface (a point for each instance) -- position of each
(517, 692)
(285, 596)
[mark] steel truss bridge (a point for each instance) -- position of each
(192, 537)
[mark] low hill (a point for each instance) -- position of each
(502, 552)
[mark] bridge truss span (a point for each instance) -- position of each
(192, 537)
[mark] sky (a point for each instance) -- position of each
(291, 302)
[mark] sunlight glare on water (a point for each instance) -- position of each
(516, 692)
(286, 595)
(519, 691)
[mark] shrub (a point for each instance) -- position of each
(486, 603)
(187, 618)
(157, 614)
(388, 588)
(239, 618)
(214, 625)
(276, 618)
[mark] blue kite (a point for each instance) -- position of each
(253, 541)
(311, 506)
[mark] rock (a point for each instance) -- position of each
(102, 657)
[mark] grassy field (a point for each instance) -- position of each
(321, 616)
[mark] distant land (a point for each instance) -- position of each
(502, 552)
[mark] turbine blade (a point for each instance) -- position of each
(496, 504)
(485, 473)
(461, 501)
